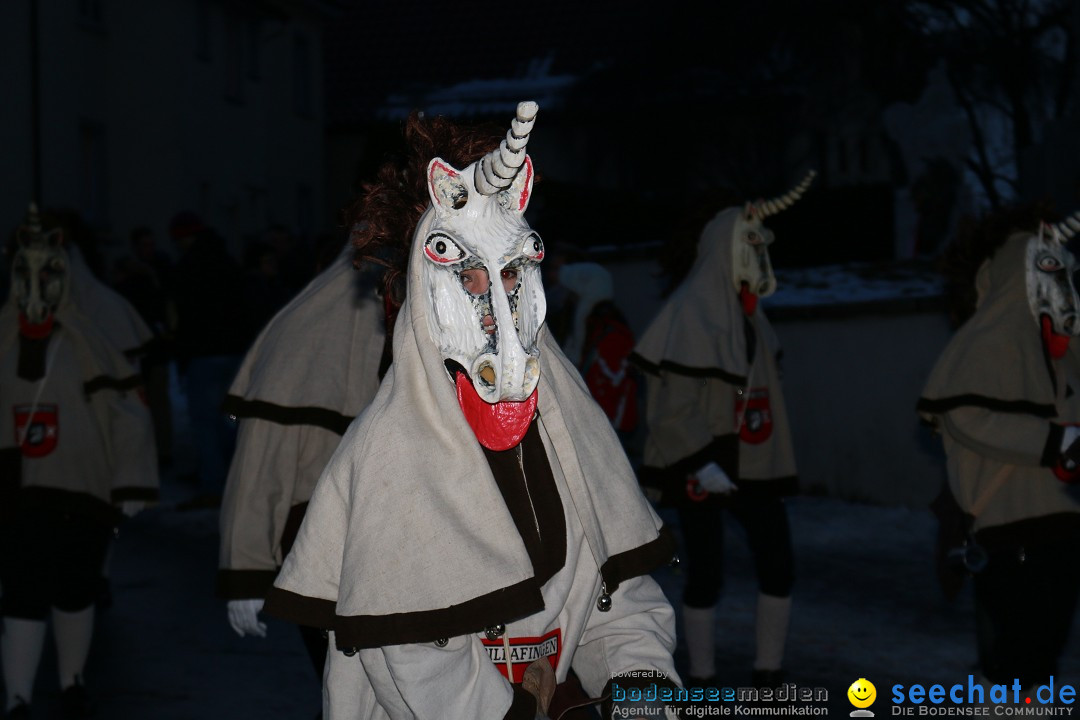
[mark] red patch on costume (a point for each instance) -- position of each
(755, 415)
(498, 426)
(694, 491)
(748, 299)
(523, 651)
(1056, 345)
(37, 436)
(35, 331)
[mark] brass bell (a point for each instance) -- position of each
(495, 631)
(603, 603)
(442, 642)
(348, 652)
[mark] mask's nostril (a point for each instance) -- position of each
(487, 375)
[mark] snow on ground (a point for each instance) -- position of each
(854, 283)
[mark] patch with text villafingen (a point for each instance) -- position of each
(523, 650)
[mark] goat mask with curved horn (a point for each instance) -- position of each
(765, 208)
(752, 269)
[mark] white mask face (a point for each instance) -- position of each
(39, 273)
(1049, 268)
(750, 248)
(482, 281)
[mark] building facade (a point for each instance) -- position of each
(130, 111)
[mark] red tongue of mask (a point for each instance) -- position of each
(1056, 345)
(35, 331)
(748, 299)
(498, 426)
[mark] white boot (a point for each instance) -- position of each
(73, 631)
(20, 653)
(773, 616)
(700, 627)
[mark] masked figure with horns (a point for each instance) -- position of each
(718, 433)
(78, 450)
(479, 532)
(1004, 396)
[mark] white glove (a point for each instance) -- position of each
(131, 508)
(244, 617)
(712, 478)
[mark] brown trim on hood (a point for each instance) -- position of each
(638, 561)
(498, 607)
(1023, 407)
(244, 584)
(532, 498)
(353, 632)
(107, 382)
(687, 370)
(132, 354)
(330, 420)
(300, 609)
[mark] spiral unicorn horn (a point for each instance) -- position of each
(765, 208)
(1069, 227)
(499, 167)
(33, 219)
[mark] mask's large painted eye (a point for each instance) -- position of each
(441, 249)
(754, 237)
(1048, 263)
(533, 248)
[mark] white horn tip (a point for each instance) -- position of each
(527, 110)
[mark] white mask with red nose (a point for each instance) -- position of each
(1052, 297)
(483, 292)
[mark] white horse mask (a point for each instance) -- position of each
(1052, 297)
(752, 268)
(39, 275)
(485, 298)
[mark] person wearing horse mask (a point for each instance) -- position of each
(79, 453)
(1003, 396)
(718, 435)
(479, 532)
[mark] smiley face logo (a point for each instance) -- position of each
(862, 694)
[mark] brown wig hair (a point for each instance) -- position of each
(976, 240)
(386, 216)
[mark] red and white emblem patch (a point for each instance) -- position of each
(523, 650)
(756, 418)
(37, 436)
